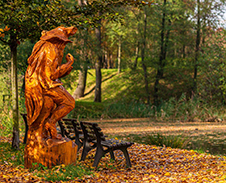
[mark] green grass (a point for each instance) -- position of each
(123, 96)
(157, 139)
(15, 158)
(11, 156)
(65, 173)
(213, 143)
(87, 110)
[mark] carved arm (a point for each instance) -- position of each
(64, 69)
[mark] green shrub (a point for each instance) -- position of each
(57, 173)
(194, 109)
(123, 109)
(87, 110)
(65, 173)
(158, 140)
(168, 141)
(10, 155)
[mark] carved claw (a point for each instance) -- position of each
(70, 58)
(53, 131)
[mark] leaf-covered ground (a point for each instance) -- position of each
(149, 164)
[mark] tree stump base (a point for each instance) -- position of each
(51, 153)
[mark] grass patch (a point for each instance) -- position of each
(15, 158)
(87, 110)
(123, 109)
(157, 139)
(214, 143)
(184, 110)
(65, 173)
(11, 156)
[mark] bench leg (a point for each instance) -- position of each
(78, 143)
(99, 154)
(26, 128)
(112, 155)
(25, 136)
(126, 154)
(85, 151)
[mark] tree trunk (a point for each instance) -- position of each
(162, 57)
(194, 90)
(98, 65)
(106, 60)
(15, 106)
(136, 52)
(137, 56)
(143, 59)
(80, 90)
(110, 62)
(119, 55)
(82, 2)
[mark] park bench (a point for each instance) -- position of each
(93, 133)
(71, 129)
(89, 136)
(26, 127)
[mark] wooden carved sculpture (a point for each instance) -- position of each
(47, 101)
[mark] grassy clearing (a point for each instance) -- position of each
(209, 137)
(11, 156)
(150, 163)
(211, 143)
(123, 98)
(15, 158)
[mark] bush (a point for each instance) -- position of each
(160, 140)
(194, 109)
(65, 173)
(128, 110)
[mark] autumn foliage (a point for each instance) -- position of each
(149, 164)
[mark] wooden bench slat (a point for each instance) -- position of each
(90, 136)
(92, 130)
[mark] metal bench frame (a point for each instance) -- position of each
(93, 133)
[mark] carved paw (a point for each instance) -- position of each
(69, 58)
(53, 131)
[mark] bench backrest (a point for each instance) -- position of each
(70, 128)
(92, 132)
(24, 115)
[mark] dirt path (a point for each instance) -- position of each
(144, 125)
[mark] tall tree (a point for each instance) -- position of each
(80, 90)
(98, 64)
(116, 33)
(144, 40)
(102, 10)
(163, 51)
(207, 17)
(197, 47)
(23, 20)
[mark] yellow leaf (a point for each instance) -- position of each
(167, 174)
(6, 28)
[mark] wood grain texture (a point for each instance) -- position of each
(47, 101)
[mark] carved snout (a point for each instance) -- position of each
(69, 58)
(71, 31)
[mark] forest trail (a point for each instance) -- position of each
(145, 125)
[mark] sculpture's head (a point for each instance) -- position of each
(59, 33)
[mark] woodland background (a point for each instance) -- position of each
(150, 72)
(158, 59)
